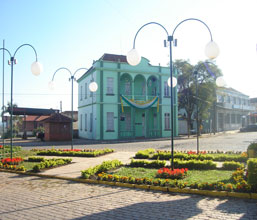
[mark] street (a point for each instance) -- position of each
(223, 142)
(29, 197)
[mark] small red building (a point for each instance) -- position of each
(57, 127)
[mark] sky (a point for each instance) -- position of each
(72, 34)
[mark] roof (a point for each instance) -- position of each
(32, 111)
(114, 58)
(56, 117)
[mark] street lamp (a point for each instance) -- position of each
(51, 86)
(36, 69)
(134, 59)
(92, 88)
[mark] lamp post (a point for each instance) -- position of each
(3, 99)
(134, 58)
(36, 69)
(72, 77)
(92, 88)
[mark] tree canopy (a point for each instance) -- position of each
(206, 74)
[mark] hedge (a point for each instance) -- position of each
(94, 153)
(105, 166)
(148, 164)
(195, 164)
(144, 154)
(232, 165)
(51, 163)
(252, 173)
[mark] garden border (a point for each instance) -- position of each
(144, 187)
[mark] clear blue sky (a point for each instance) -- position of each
(74, 33)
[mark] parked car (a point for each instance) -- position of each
(249, 128)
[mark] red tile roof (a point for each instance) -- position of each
(114, 58)
(57, 117)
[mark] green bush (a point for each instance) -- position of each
(252, 173)
(105, 166)
(36, 159)
(144, 154)
(55, 152)
(232, 165)
(252, 146)
(148, 164)
(50, 163)
(195, 164)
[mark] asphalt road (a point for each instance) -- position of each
(223, 142)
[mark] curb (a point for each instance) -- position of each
(144, 187)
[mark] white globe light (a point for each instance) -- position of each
(133, 57)
(212, 50)
(220, 81)
(36, 68)
(174, 82)
(93, 87)
(51, 85)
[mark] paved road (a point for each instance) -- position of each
(225, 142)
(27, 197)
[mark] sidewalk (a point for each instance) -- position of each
(78, 164)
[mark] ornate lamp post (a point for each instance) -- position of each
(51, 86)
(36, 69)
(134, 59)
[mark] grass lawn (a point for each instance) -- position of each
(20, 153)
(28, 165)
(193, 176)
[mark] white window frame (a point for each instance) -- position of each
(110, 121)
(166, 89)
(85, 90)
(86, 122)
(81, 93)
(81, 122)
(110, 83)
(167, 121)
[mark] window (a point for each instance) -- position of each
(128, 121)
(238, 119)
(227, 118)
(167, 121)
(166, 89)
(91, 122)
(110, 121)
(127, 88)
(109, 85)
(85, 122)
(81, 93)
(234, 100)
(81, 122)
(233, 118)
(85, 90)
(155, 121)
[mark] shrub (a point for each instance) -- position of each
(105, 166)
(231, 165)
(252, 173)
(36, 159)
(148, 164)
(252, 146)
(144, 154)
(50, 163)
(75, 152)
(195, 164)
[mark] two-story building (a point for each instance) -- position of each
(232, 109)
(130, 102)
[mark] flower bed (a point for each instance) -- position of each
(192, 155)
(13, 161)
(74, 152)
(171, 174)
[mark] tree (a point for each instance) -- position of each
(187, 99)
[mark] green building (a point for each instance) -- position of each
(130, 102)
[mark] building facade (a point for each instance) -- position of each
(130, 102)
(232, 109)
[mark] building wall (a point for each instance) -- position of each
(142, 122)
(57, 131)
